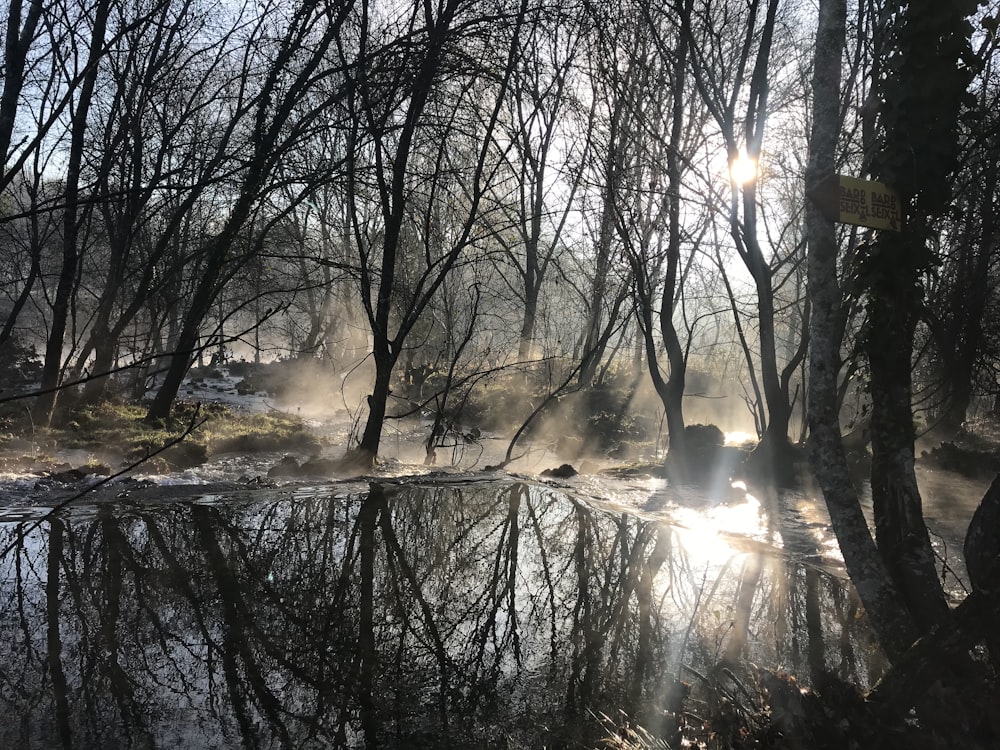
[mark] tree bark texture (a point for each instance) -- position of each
(900, 531)
(923, 90)
(890, 618)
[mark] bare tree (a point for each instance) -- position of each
(732, 73)
(407, 117)
(275, 116)
(19, 35)
(614, 78)
(652, 224)
(156, 79)
(541, 106)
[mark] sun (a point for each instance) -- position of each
(743, 169)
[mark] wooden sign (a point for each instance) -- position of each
(863, 202)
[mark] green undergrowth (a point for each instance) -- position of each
(193, 434)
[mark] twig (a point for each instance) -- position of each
(945, 566)
(508, 458)
(193, 425)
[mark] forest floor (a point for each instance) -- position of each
(292, 409)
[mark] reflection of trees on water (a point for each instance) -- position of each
(408, 616)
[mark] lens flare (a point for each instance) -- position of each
(743, 169)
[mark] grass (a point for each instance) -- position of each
(120, 431)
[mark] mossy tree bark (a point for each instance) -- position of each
(927, 70)
(890, 618)
(923, 90)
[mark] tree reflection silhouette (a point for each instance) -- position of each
(408, 615)
(53, 636)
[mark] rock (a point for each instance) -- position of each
(321, 467)
(982, 541)
(155, 465)
(565, 471)
(256, 481)
(246, 387)
(700, 437)
(286, 467)
(185, 455)
(313, 467)
(67, 477)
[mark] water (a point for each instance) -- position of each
(418, 612)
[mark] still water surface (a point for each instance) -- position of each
(412, 613)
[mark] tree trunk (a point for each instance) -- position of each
(939, 662)
(924, 90)
(34, 272)
(532, 277)
(527, 336)
(186, 345)
(593, 342)
(889, 617)
(594, 339)
(16, 44)
(900, 531)
(367, 449)
(942, 656)
(52, 367)
(104, 346)
(672, 394)
(368, 661)
(774, 445)
(982, 541)
(54, 643)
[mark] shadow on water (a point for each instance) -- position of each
(463, 614)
